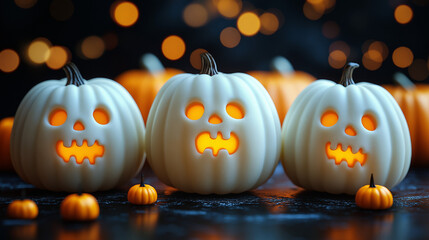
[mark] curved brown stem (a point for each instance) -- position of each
(208, 64)
(73, 75)
(347, 78)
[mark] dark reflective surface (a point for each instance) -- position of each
(276, 210)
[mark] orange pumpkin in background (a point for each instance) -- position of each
(144, 84)
(283, 84)
(414, 102)
(5, 131)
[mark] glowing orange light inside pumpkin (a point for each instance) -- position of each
(215, 119)
(348, 156)
(350, 131)
(58, 117)
(195, 111)
(235, 111)
(101, 116)
(204, 141)
(78, 126)
(80, 153)
(329, 118)
(369, 122)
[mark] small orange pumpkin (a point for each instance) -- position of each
(374, 196)
(143, 85)
(413, 100)
(79, 207)
(5, 131)
(142, 194)
(23, 209)
(284, 84)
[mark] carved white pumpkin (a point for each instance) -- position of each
(336, 135)
(77, 135)
(213, 132)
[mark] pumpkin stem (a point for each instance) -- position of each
(403, 81)
(281, 65)
(347, 78)
(208, 64)
(151, 63)
(371, 182)
(141, 179)
(73, 75)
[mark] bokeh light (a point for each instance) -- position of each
(372, 60)
(269, 23)
(58, 57)
(402, 57)
(248, 24)
(229, 8)
(9, 60)
(403, 14)
(25, 3)
(340, 45)
(418, 70)
(337, 59)
(195, 58)
(330, 29)
(230, 37)
(110, 40)
(125, 13)
(315, 10)
(380, 47)
(92, 47)
(173, 47)
(195, 15)
(61, 10)
(38, 51)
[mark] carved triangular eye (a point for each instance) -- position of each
(194, 111)
(235, 110)
(58, 117)
(101, 116)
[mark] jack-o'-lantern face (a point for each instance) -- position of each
(204, 140)
(79, 150)
(350, 156)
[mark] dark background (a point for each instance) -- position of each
(298, 38)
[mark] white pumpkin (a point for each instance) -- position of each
(77, 135)
(213, 132)
(336, 135)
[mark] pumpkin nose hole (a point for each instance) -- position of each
(350, 131)
(78, 126)
(215, 119)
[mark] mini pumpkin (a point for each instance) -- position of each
(5, 131)
(283, 84)
(213, 132)
(23, 209)
(80, 207)
(144, 84)
(336, 135)
(413, 100)
(142, 194)
(374, 196)
(77, 135)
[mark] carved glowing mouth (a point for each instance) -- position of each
(348, 156)
(80, 152)
(204, 141)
